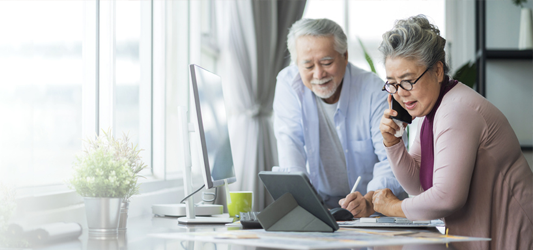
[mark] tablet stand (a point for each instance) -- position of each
(286, 215)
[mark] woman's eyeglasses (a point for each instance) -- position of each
(405, 84)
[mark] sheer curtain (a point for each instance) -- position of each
(252, 38)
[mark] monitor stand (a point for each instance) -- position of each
(190, 209)
(179, 210)
(205, 220)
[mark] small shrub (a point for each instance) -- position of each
(107, 167)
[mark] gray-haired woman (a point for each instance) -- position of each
(466, 166)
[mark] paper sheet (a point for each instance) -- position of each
(343, 238)
(400, 132)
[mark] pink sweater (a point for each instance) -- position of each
(482, 184)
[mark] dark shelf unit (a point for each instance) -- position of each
(481, 48)
(483, 54)
(509, 54)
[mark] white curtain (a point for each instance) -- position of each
(252, 39)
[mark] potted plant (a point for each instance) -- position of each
(106, 175)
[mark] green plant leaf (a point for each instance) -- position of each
(466, 74)
(367, 56)
(519, 3)
(107, 167)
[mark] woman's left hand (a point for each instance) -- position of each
(387, 203)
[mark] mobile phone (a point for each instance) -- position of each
(403, 115)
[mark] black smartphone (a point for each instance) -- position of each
(403, 115)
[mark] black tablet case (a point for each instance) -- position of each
(298, 207)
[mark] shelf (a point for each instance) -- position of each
(486, 55)
(509, 54)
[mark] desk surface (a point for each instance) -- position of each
(140, 228)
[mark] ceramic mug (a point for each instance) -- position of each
(241, 201)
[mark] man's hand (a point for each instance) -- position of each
(357, 204)
(385, 202)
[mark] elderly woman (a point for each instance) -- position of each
(466, 166)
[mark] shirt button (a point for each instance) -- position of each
(346, 150)
(338, 127)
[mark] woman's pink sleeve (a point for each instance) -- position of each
(406, 166)
(457, 136)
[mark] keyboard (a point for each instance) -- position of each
(249, 220)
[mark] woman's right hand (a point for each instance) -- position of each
(388, 127)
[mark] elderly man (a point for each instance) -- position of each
(326, 119)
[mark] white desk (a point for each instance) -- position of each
(139, 228)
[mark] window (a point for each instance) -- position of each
(192, 38)
(130, 76)
(40, 90)
(72, 68)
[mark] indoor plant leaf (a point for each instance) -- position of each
(367, 56)
(466, 74)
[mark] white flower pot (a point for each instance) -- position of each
(103, 216)
(107, 244)
(525, 40)
(123, 216)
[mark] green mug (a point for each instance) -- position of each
(241, 201)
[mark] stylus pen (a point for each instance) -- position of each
(356, 183)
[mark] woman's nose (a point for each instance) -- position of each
(402, 92)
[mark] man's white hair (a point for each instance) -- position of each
(316, 27)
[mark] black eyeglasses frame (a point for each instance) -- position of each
(401, 85)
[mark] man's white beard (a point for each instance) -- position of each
(324, 92)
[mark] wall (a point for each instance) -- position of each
(503, 24)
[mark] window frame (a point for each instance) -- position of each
(97, 101)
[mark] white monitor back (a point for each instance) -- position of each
(211, 127)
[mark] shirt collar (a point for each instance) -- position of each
(297, 84)
(345, 91)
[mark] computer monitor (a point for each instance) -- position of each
(208, 116)
(208, 112)
(211, 136)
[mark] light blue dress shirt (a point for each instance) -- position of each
(357, 120)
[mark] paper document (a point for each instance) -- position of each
(378, 219)
(343, 238)
(389, 222)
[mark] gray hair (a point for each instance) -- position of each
(316, 27)
(415, 38)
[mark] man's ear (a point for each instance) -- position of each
(346, 56)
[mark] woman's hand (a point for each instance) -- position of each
(388, 127)
(387, 203)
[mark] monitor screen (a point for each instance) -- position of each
(211, 127)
